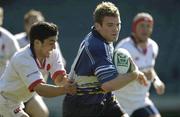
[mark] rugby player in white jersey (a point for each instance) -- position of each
(8, 45)
(26, 71)
(35, 106)
(134, 98)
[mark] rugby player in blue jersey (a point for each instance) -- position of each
(94, 71)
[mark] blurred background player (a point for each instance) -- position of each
(8, 44)
(134, 98)
(35, 106)
(24, 75)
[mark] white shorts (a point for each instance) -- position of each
(9, 108)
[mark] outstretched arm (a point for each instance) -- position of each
(48, 90)
(123, 79)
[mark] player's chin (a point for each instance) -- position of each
(114, 39)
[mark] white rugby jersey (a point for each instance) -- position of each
(24, 72)
(8, 46)
(135, 95)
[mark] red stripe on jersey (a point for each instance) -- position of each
(60, 72)
(31, 87)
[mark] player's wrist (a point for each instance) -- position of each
(157, 82)
(62, 89)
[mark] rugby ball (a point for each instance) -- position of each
(121, 60)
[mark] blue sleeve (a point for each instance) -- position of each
(104, 69)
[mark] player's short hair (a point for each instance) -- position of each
(42, 30)
(33, 13)
(105, 9)
(143, 15)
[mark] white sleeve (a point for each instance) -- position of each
(57, 66)
(28, 71)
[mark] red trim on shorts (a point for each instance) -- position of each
(17, 110)
(31, 87)
(60, 72)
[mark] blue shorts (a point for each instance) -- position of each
(105, 109)
(145, 111)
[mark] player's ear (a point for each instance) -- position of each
(37, 42)
(97, 26)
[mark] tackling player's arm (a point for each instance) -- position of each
(48, 90)
(62, 80)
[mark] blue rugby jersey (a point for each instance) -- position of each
(95, 61)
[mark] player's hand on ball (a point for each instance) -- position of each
(142, 78)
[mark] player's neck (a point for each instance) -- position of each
(40, 58)
(138, 42)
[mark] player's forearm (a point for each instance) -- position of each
(47, 90)
(119, 82)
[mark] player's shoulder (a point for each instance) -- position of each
(93, 43)
(3, 30)
(6, 33)
(152, 42)
(125, 42)
(20, 36)
(24, 54)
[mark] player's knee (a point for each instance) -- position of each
(41, 114)
(45, 113)
(25, 116)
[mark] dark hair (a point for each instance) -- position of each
(105, 9)
(42, 30)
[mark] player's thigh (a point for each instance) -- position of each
(147, 111)
(36, 107)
